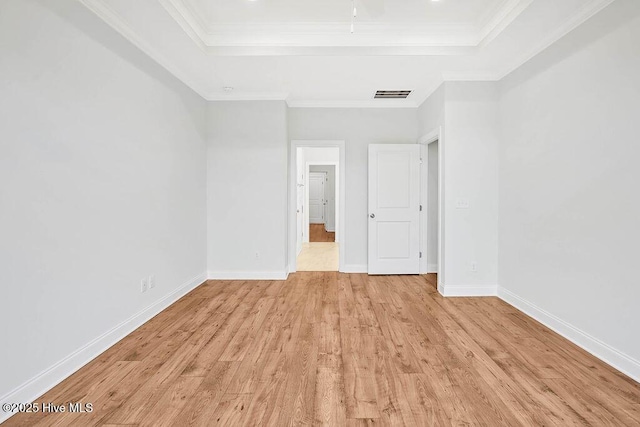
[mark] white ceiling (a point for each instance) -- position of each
(295, 23)
(459, 11)
(303, 50)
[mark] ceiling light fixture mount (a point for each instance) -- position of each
(354, 15)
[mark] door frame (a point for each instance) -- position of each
(436, 135)
(307, 194)
(340, 177)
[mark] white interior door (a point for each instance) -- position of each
(299, 217)
(300, 196)
(394, 209)
(316, 198)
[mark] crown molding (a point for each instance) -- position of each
(252, 50)
(589, 10)
(372, 103)
(473, 76)
(187, 20)
(248, 96)
(501, 20)
(115, 21)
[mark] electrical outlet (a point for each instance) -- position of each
(462, 203)
(144, 285)
(474, 267)
(152, 281)
(257, 255)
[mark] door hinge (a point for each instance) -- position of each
(420, 208)
(420, 254)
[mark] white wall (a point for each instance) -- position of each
(318, 155)
(467, 114)
(430, 114)
(470, 175)
(247, 189)
(102, 182)
(358, 128)
(569, 215)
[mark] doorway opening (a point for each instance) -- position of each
(318, 252)
(432, 207)
(322, 213)
(431, 197)
(317, 199)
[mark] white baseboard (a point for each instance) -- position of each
(248, 275)
(355, 268)
(49, 378)
(468, 291)
(432, 268)
(617, 359)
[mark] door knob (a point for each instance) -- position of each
(372, 215)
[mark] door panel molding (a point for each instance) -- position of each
(317, 181)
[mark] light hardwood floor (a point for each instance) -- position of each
(317, 233)
(343, 349)
(318, 256)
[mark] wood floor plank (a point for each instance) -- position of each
(218, 342)
(329, 338)
(477, 356)
(391, 399)
(553, 407)
(426, 405)
(269, 396)
(317, 233)
(278, 337)
(595, 413)
(232, 410)
(170, 404)
(200, 409)
(401, 352)
(324, 348)
(582, 365)
(363, 308)
(248, 331)
(330, 408)
(299, 405)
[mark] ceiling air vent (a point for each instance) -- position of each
(392, 94)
